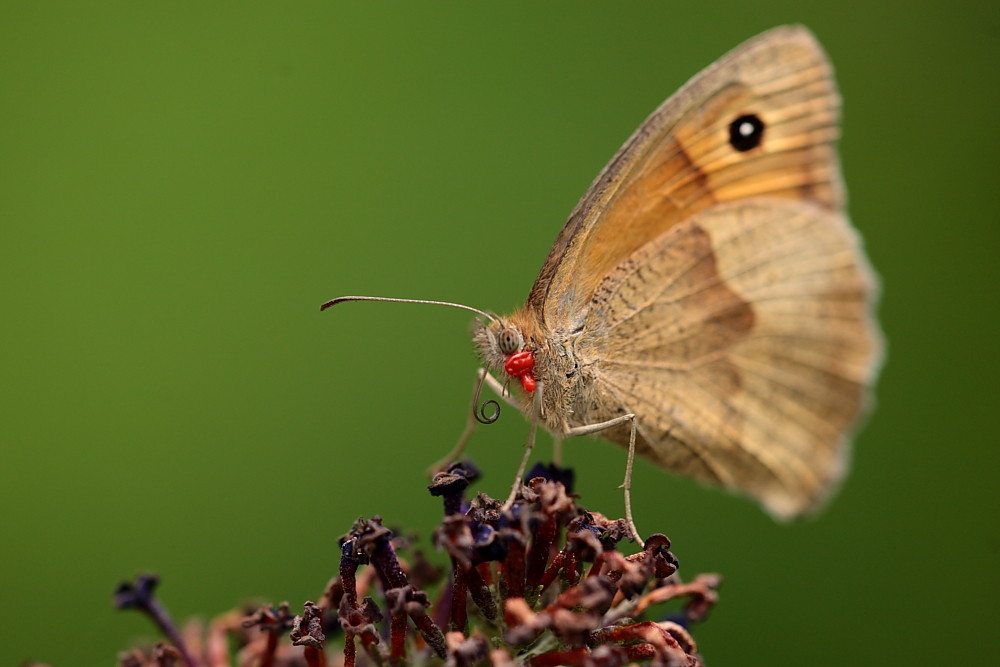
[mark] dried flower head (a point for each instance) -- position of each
(540, 582)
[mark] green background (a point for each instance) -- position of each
(182, 184)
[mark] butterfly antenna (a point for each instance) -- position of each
(342, 299)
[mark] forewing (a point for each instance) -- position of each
(680, 161)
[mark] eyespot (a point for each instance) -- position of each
(746, 132)
(509, 340)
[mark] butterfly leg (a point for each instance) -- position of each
(557, 449)
(482, 377)
(536, 409)
(627, 484)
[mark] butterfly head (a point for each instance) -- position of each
(502, 347)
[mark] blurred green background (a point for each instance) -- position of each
(182, 184)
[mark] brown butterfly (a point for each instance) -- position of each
(708, 304)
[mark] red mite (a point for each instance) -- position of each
(520, 365)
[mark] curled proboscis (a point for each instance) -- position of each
(481, 411)
(484, 417)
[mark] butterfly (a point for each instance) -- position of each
(708, 305)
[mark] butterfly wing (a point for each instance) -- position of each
(715, 289)
(742, 340)
(680, 161)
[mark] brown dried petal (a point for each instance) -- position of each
(307, 629)
(370, 611)
(448, 483)
(664, 562)
(406, 600)
(360, 621)
(704, 595)
(523, 625)
(369, 532)
(585, 543)
(574, 627)
(467, 652)
(266, 617)
(133, 658)
(165, 655)
(552, 497)
(485, 509)
(668, 649)
(612, 532)
(682, 636)
(593, 593)
(455, 537)
(635, 574)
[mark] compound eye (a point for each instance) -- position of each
(509, 341)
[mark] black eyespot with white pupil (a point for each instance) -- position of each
(509, 341)
(746, 132)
